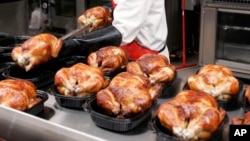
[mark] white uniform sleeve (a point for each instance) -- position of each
(129, 16)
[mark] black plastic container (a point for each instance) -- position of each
(233, 103)
(59, 63)
(5, 57)
(4, 49)
(12, 41)
(111, 123)
(37, 76)
(7, 43)
(4, 66)
(6, 39)
(39, 107)
(112, 74)
(168, 88)
(72, 102)
(164, 135)
(245, 103)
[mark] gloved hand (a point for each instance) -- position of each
(91, 42)
(97, 17)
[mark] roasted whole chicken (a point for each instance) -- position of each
(18, 94)
(247, 93)
(79, 80)
(241, 120)
(156, 67)
(191, 115)
(108, 59)
(97, 17)
(126, 95)
(36, 50)
(216, 80)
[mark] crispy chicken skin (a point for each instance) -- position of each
(97, 17)
(156, 67)
(108, 59)
(191, 115)
(216, 80)
(127, 94)
(79, 80)
(18, 94)
(36, 50)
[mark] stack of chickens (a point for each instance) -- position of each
(216, 80)
(191, 115)
(79, 80)
(18, 94)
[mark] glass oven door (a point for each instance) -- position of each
(233, 37)
(225, 38)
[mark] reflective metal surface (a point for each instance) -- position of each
(58, 123)
(17, 126)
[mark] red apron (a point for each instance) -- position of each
(133, 49)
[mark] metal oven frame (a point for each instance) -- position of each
(208, 27)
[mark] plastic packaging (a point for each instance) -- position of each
(111, 123)
(69, 101)
(39, 107)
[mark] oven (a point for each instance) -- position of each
(225, 35)
(64, 13)
(13, 19)
(61, 15)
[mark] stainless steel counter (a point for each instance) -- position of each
(80, 122)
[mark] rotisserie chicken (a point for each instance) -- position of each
(127, 95)
(108, 59)
(18, 94)
(216, 80)
(156, 67)
(191, 115)
(37, 50)
(241, 120)
(97, 17)
(79, 80)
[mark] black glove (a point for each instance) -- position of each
(91, 42)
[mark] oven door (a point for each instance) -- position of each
(224, 39)
(64, 13)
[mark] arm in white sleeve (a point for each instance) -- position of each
(129, 16)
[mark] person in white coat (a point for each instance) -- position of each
(139, 27)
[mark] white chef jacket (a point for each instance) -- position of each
(143, 21)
